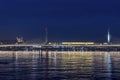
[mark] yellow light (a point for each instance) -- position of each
(77, 43)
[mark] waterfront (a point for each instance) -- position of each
(54, 65)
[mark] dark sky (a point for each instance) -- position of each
(67, 20)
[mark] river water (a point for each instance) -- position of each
(54, 65)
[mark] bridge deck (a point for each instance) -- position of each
(38, 45)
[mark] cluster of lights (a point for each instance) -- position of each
(77, 43)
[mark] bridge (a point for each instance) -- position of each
(58, 45)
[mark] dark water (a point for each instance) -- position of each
(59, 65)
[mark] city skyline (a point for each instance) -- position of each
(46, 39)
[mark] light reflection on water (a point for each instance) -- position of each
(46, 65)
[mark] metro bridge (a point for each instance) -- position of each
(93, 47)
(58, 45)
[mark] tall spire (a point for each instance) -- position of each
(108, 36)
(46, 35)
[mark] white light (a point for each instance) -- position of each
(108, 37)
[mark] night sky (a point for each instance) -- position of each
(66, 20)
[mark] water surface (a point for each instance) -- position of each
(47, 65)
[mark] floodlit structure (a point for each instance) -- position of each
(108, 37)
(20, 40)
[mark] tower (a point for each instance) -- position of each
(108, 36)
(46, 35)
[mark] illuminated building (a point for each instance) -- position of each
(20, 40)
